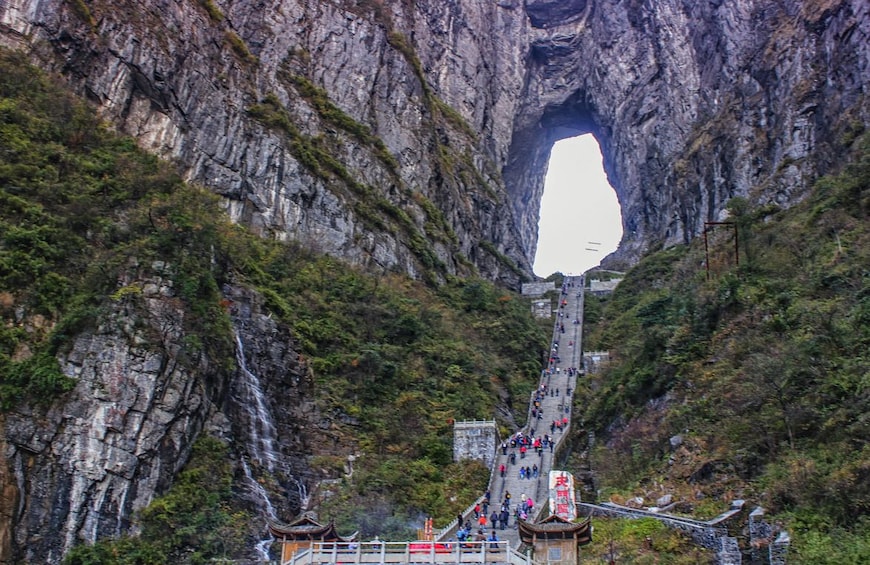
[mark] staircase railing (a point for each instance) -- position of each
(416, 552)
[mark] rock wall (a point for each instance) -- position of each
(76, 471)
(400, 135)
(382, 167)
(81, 467)
(450, 109)
(693, 103)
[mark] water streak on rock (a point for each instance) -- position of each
(250, 398)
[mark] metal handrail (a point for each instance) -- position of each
(423, 552)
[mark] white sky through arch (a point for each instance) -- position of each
(580, 221)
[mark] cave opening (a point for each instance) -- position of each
(580, 220)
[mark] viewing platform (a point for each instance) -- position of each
(379, 552)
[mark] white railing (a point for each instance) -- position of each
(422, 552)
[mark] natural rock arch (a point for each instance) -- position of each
(692, 104)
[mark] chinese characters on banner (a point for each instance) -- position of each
(562, 502)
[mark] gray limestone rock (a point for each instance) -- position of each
(85, 464)
(409, 136)
(450, 110)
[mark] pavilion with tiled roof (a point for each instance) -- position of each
(556, 538)
(302, 532)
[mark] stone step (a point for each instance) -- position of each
(553, 407)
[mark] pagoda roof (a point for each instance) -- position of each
(306, 528)
(556, 527)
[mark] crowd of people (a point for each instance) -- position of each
(523, 452)
(498, 519)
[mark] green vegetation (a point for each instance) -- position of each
(82, 11)
(239, 47)
(77, 203)
(763, 369)
(213, 11)
(193, 523)
(490, 248)
(393, 361)
(643, 541)
(452, 160)
(332, 114)
(378, 213)
(437, 227)
(401, 362)
(452, 117)
(312, 152)
(401, 44)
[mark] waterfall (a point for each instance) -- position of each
(250, 398)
(259, 492)
(262, 438)
(262, 442)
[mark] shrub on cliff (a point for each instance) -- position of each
(394, 361)
(760, 368)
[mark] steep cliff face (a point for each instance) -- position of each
(80, 469)
(407, 136)
(693, 103)
(83, 466)
(416, 137)
(354, 127)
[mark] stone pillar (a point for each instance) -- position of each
(760, 534)
(779, 549)
(475, 439)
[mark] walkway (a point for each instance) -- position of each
(403, 553)
(566, 353)
(565, 350)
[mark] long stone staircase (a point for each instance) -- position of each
(566, 352)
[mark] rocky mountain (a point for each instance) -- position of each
(406, 136)
(447, 111)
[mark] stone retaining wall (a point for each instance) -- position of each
(475, 439)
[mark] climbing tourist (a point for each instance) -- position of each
(492, 539)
